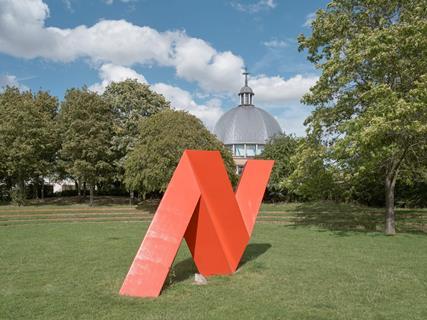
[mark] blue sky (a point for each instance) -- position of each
(191, 51)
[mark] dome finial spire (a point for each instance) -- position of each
(246, 92)
(246, 73)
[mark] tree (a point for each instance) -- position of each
(49, 142)
(371, 96)
(162, 140)
(280, 148)
(28, 139)
(87, 129)
(131, 101)
(17, 144)
(315, 176)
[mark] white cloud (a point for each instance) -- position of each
(179, 98)
(8, 80)
(254, 7)
(274, 43)
(116, 45)
(118, 42)
(282, 97)
(309, 19)
(195, 60)
(114, 73)
(276, 90)
(11, 81)
(23, 34)
(292, 118)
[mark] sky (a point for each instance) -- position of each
(191, 51)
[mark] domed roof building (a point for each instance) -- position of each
(245, 129)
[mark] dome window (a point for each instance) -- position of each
(250, 150)
(259, 149)
(239, 150)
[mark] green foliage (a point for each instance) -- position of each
(28, 136)
(280, 149)
(314, 176)
(371, 97)
(162, 140)
(86, 122)
(49, 142)
(131, 102)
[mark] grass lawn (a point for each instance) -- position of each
(313, 261)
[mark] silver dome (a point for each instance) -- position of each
(246, 124)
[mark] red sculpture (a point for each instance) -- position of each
(200, 206)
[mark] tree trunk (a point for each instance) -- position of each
(79, 191)
(84, 190)
(131, 197)
(390, 182)
(36, 187)
(42, 190)
(91, 195)
(22, 192)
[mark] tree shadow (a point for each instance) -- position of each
(186, 268)
(149, 205)
(344, 218)
(104, 201)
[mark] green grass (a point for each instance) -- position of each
(348, 217)
(292, 270)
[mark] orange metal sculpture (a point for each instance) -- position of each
(200, 206)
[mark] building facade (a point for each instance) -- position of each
(245, 129)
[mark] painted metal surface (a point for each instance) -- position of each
(200, 206)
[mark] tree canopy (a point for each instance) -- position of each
(371, 96)
(280, 148)
(130, 101)
(28, 136)
(162, 139)
(86, 122)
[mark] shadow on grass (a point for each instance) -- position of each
(104, 201)
(149, 205)
(186, 268)
(253, 251)
(343, 218)
(75, 200)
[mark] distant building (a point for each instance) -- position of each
(245, 129)
(60, 185)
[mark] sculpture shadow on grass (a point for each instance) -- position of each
(253, 251)
(355, 218)
(186, 268)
